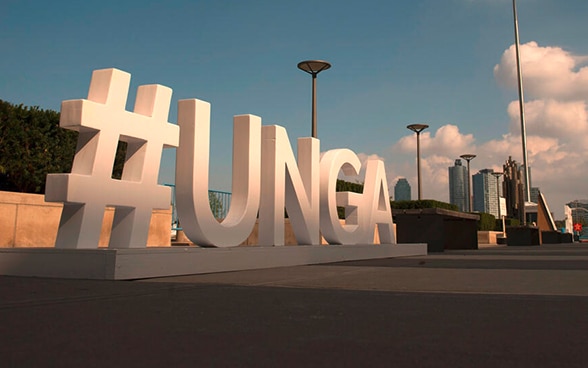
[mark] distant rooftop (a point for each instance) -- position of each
(583, 202)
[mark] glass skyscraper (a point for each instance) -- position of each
(402, 190)
(485, 195)
(458, 179)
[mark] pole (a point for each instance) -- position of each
(468, 157)
(498, 196)
(314, 123)
(418, 128)
(419, 163)
(498, 200)
(469, 189)
(313, 67)
(527, 194)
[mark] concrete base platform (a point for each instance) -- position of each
(128, 264)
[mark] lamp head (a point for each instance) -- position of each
(417, 128)
(314, 66)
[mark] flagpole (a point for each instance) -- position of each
(527, 189)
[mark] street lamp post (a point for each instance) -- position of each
(527, 194)
(418, 128)
(468, 157)
(497, 175)
(313, 67)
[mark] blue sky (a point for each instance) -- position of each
(444, 63)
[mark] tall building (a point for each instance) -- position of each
(458, 189)
(513, 190)
(485, 193)
(579, 209)
(535, 194)
(522, 169)
(402, 190)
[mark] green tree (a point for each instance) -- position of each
(33, 145)
(216, 206)
(119, 160)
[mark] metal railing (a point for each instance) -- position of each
(175, 222)
(219, 205)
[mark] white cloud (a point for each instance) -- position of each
(360, 178)
(556, 120)
(446, 141)
(548, 117)
(556, 111)
(548, 72)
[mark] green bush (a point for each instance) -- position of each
(33, 145)
(425, 203)
(487, 222)
(509, 221)
(346, 186)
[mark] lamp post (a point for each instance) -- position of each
(497, 175)
(418, 128)
(468, 157)
(313, 67)
(527, 194)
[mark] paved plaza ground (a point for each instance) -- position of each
(492, 307)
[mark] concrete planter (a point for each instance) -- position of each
(441, 229)
(555, 237)
(551, 237)
(522, 235)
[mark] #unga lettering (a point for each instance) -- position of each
(267, 177)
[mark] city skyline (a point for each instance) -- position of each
(447, 64)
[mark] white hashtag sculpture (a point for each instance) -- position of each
(102, 121)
